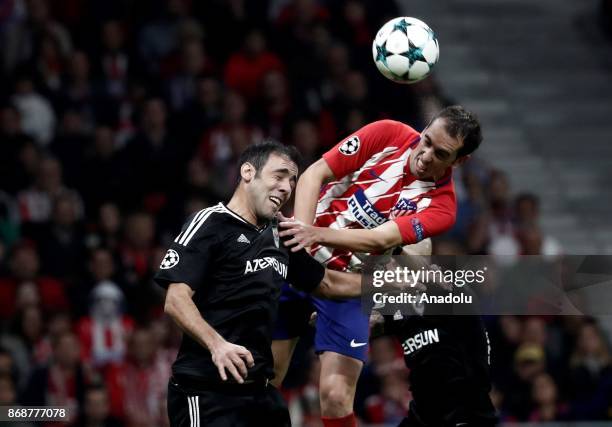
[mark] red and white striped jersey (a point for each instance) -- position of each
(374, 185)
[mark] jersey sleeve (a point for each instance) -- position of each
(189, 258)
(350, 154)
(305, 273)
(432, 221)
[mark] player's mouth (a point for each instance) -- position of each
(420, 167)
(276, 201)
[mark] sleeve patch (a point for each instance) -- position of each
(418, 229)
(350, 146)
(170, 260)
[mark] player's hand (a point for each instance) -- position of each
(297, 234)
(233, 358)
(313, 319)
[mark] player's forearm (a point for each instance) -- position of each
(340, 285)
(358, 240)
(181, 308)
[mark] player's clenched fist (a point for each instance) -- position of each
(235, 358)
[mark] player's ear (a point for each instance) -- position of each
(247, 172)
(461, 160)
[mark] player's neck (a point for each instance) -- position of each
(239, 204)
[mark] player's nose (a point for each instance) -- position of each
(285, 187)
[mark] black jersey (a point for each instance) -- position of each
(236, 271)
(448, 358)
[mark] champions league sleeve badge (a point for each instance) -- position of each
(350, 146)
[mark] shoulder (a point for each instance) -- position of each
(389, 132)
(208, 222)
(394, 126)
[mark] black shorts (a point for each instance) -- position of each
(233, 405)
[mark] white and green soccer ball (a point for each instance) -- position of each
(405, 50)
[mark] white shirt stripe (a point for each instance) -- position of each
(191, 412)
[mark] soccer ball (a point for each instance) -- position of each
(405, 50)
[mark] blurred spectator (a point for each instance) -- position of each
(221, 145)
(99, 181)
(72, 141)
(500, 229)
(15, 173)
(391, 405)
(193, 63)
(350, 107)
(160, 36)
(385, 358)
(505, 339)
(24, 267)
(37, 116)
(8, 393)
(36, 202)
(138, 385)
(296, 20)
(529, 362)
(79, 91)
(168, 336)
(96, 409)
(49, 64)
(275, 105)
(590, 375)
(532, 241)
(103, 334)
(138, 247)
(29, 327)
(305, 138)
(9, 222)
(115, 64)
(527, 209)
(354, 27)
(246, 69)
(546, 400)
(471, 208)
(152, 159)
(101, 267)
(108, 230)
(531, 238)
(62, 241)
(203, 112)
(62, 382)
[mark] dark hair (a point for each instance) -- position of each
(257, 154)
(463, 124)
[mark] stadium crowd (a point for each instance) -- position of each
(118, 119)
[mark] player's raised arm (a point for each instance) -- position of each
(306, 274)
(308, 188)
(433, 221)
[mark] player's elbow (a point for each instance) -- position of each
(318, 173)
(170, 304)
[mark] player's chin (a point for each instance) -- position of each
(271, 212)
